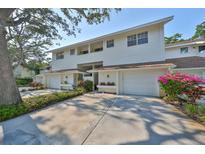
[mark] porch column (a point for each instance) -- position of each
(117, 83)
(89, 48)
(93, 67)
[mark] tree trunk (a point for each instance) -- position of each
(9, 93)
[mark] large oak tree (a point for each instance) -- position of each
(43, 25)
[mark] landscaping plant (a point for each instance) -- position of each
(35, 103)
(23, 81)
(178, 84)
(87, 85)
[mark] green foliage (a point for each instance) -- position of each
(200, 31)
(179, 84)
(195, 110)
(80, 89)
(23, 81)
(36, 65)
(201, 110)
(173, 39)
(191, 109)
(87, 85)
(30, 31)
(35, 103)
(172, 89)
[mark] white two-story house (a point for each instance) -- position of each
(188, 56)
(124, 62)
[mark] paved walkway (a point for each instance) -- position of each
(104, 119)
(27, 94)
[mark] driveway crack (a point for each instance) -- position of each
(106, 109)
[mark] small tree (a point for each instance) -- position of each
(199, 31)
(37, 24)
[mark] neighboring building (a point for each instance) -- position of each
(125, 62)
(21, 71)
(188, 56)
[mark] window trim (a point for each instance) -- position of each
(134, 40)
(182, 51)
(72, 50)
(143, 38)
(108, 43)
(60, 57)
(201, 50)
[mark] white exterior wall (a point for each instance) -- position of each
(175, 52)
(103, 77)
(120, 53)
(56, 79)
(134, 81)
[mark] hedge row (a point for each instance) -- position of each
(23, 81)
(35, 103)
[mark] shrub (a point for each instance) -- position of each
(87, 85)
(23, 81)
(191, 109)
(177, 84)
(37, 85)
(35, 103)
(201, 110)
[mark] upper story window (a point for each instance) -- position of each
(131, 40)
(96, 47)
(110, 43)
(201, 48)
(184, 50)
(72, 52)
(142, 38)
(59, 55)
(82, 50)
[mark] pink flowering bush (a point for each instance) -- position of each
(176, 84)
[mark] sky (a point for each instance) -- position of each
(184, 22)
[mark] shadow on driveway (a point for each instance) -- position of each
(104, 119)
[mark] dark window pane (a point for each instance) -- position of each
(72, 51)
(201, 48)
(59, 55)
(142, 38)
(98, 49)
(184, 50)
(131, 40)
(110, 43)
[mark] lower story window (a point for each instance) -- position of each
(184, 50)
(201, 48)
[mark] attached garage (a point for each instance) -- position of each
(54, 81)
(140, 82)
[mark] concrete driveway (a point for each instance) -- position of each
(104, 119)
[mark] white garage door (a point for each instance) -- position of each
(140, 82)
(54, 81)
